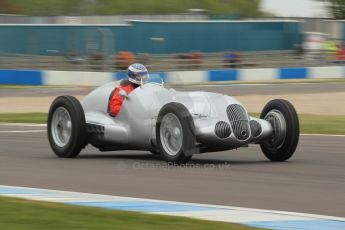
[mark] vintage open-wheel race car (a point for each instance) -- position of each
(173, 124)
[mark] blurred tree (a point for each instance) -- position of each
(7, 7)
(47, 7)
(248, 8)
(245, 8)
(336, 7)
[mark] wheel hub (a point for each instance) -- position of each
(278, 123)
(171, 134)
(61, 127)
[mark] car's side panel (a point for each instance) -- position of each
(98, 99)
(134, 127)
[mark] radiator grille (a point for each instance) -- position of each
(222, 129)
(239, 121)
(255, 127)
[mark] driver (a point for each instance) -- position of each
(137, 75)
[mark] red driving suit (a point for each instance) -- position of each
(116, 100)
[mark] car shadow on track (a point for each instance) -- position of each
(195, 160)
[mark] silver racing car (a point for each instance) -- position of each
(169, 123)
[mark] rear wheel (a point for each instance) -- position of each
(175, 133)
(284, 139)
(66, 127)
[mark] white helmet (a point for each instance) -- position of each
(137, 74)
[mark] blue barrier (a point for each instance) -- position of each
(158, 77)
(154, 76)
(20, 77)
(223, 75)
(37, 77)
(293, 73)
(119, 76)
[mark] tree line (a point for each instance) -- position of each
(244, 8)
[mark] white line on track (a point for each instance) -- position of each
(23, 131)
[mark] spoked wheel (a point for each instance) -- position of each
(285, 124)
(175, 133)
(66, 127)
(61, 126)
(171, 134)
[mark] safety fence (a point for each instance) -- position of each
(173, 62)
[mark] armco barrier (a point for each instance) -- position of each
(36, 77)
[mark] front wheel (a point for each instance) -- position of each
(66, 127)
(284, 139)
(175, 133)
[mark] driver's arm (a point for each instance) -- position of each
(115, 103)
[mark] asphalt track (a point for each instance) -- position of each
(313, 181)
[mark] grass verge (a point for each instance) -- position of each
(32, 215)
(311, 124)
(319, 124)
(28, 86)
(38, 118)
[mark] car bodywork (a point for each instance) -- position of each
(221, 122)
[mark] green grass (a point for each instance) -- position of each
(38, 118)
(18, 86)
(111, 7)
(17, 214)
(316, 124)
(311, 124)
(319, 124)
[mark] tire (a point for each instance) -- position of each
(187, 143)
(282, 144)
(66, 146)
(159, 154)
